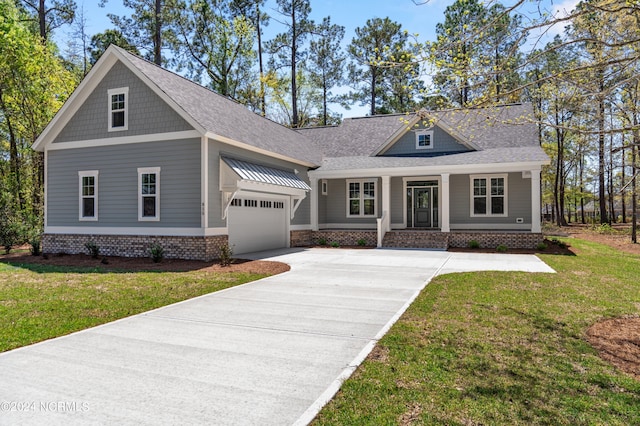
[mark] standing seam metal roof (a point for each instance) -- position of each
(263, 174)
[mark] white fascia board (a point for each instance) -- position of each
(75, 101)
(251, 148)
(146, 231)
(300, 228)
(125, 140)
(481, 227)
(331, 226)
(463, 169)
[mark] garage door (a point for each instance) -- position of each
(257, 223)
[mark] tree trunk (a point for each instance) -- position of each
(294, 50)
(374, 76)
(622, 185)
(157, 34)
(582, 220)
(42, 19)
(601, 156)
(263, 103)
(634, 204)
(14, 159)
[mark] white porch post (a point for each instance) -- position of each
(386, 202)
(313, 198)
(535, 202)
(445, 225)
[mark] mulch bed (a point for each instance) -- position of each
(618, 341)
(132, 264)
(552, 248)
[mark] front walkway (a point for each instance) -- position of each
(270, 352)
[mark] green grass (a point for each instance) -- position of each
(40, 302)
(502, 348)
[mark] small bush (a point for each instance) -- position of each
(157, 252)
(362, 242)
(225, 255)
(541, 247)
(473, 244)
(335, 244)
(559, 243)
(35, 242)
(603, 228)
(322, 242)
(501, 248)
(93, 249)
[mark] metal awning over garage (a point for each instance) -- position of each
(263, 174)
(238, 176)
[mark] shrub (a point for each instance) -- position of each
(157, 252)
(335, 244)
(603, 228)
(541, 246)
(501, 248)
(92, 248)
(10, 234)
(559, 243)
(34, 242)
(474, 244)
(362, 242)
(322, 241)
(225, 255)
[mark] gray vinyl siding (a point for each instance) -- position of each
(148, 113)
(335, 204)
(302, 215)
(179, 161)
(442, 143)
(518, 199)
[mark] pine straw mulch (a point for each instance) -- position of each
(131, 264)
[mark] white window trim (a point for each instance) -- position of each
(424, 132)
(118, 91)
(324, 185)
(83, 174)
(488, 177)
(375, 197)
(142, 171)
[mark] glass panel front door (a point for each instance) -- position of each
(422, 207)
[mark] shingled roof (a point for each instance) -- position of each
(225, 117)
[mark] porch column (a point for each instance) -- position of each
(444, 225)
(386, 201)
(535, 202)
(313, 198)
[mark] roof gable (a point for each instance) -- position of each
(210, 114)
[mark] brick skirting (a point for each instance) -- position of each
(344, 238)
(486, 239)
(191, 248)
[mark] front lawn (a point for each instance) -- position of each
(502, 348)
(38, 302)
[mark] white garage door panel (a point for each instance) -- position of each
(257, 228)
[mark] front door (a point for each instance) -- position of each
(422, 208)
(422, 204)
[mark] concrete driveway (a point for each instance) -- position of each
(270, 352)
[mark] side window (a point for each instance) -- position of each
(361, 198)
(149, 194)
(489, 195)
(118, 109)
(88, 195)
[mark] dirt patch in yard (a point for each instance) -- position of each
(619, 237)
(132, 264)
(618, 341)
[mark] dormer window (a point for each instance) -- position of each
(424, 139)
(118, 109)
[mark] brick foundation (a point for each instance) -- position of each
(191, 248)
(419, 239)
(344, 238)
(514, 240)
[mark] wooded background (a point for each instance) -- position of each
(584, 84)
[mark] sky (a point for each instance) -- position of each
(420, 19)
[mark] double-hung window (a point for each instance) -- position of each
(361, 198)
(118, 109)
(149, 194)
(88, 195)
(489, 195)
